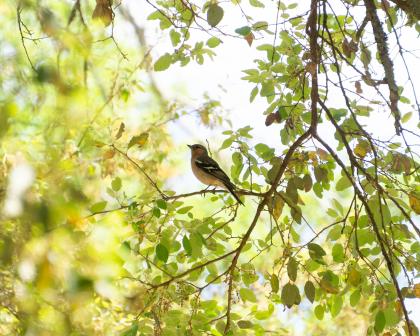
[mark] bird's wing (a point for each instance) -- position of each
(211, 167)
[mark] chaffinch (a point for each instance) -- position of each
(207, 171)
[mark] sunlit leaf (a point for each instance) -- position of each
(414, 200)
(380, 321)
(139, 140)
(98, 207)
(116, 184)
(247, 295)
(163, 62)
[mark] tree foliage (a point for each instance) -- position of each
(93, 239)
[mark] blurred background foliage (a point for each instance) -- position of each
(85, 152)
(62, 100)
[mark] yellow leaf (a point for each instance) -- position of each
(328, 287)
(323, 155)
(120, 132)
(416, 290)
(398, 308)
(249, 38)
(414, 203)
(354, 277)
(139, 140)
(109, 154)
(312, 156)
(362, 148)
(278, 206)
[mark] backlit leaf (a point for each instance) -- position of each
(98, 207)
(163, 62)
(414, 200)
(187, 245)
(116, 184)
(247, 295)
(379, 321)
(139, 140)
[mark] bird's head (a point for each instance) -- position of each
(197, 149)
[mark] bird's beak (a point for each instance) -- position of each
(189, 146)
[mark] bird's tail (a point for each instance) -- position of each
(231, 188)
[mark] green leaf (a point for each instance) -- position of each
(379, 321)
(227, 143)
(296, 214)
(292, 268)
(163, 62)
(116, 184)
(321, 174)
(264, 314)
(244, 31)
(330, 282)
(256, 3)
(310, 291)
(343, 183)
(391, 316)
(247, 295)
(156, 212)
(131, 331)
(354, 277)
(319, 312)
(162, 204)
(338, 253)
(196, 241)
(187, 245)
(406, 117)
(248, 274)
(274, 281)
(290, 295)
(336, 305)
(184, 210)
(253, 94)
(245, 324)
(162, 252)
(267, 89)
(175, 37)
(355, 298)
(214, 15)
(260, 25)
(316, 252)
(335, 233)
(213, 42)
(307, 182)
(98, 207)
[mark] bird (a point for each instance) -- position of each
(208, 171)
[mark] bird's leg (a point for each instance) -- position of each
(203, 192)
